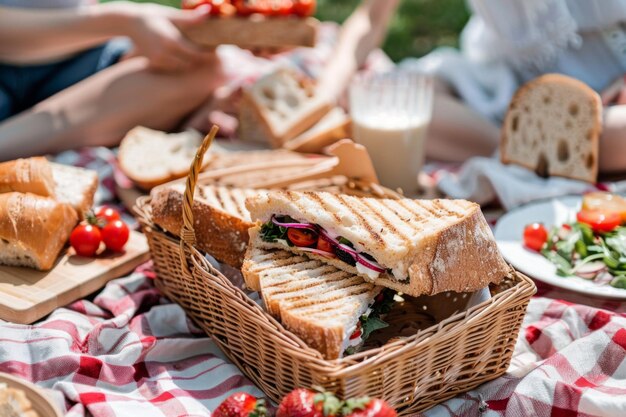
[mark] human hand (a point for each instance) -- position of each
(156, 32)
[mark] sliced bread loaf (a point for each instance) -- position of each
(334, 126)
(553, 127)
(279, 107)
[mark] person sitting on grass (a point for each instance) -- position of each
(77, 73)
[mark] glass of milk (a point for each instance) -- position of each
(390, 116)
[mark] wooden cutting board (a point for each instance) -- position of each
(26, 295)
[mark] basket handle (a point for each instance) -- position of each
(187, 234)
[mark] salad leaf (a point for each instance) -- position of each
(572, 246)
(563, 267)
(619, 282)
(271, 232)
(371, 324)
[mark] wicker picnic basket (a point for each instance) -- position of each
(412, 373)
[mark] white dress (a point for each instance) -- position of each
(508, 42)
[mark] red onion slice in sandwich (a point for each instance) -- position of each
(374, 266)
(294, 225)
(317, 251)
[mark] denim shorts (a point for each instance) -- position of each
(23, 86)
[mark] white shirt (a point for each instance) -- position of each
(508, 42)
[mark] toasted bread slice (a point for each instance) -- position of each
(426, 246)
(220, 216)
(316, 301)
(553, 127)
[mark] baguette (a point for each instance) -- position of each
(553, 127)
(32, 175)
(33, 229)
(319, 303)
(422, 246)
(66, 184)
(221, 218)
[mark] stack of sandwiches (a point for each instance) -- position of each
(331, 266)
(355, 254)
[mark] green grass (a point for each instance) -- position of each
(418, 27)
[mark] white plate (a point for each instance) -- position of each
(509, 231)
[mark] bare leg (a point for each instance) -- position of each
(101, 109)
(613, 140)
(457, 132)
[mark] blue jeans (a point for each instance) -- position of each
(23, 86)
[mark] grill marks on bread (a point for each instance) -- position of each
(230, 200)
(309, 288)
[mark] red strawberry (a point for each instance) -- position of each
(241, 404)
(306, 403)
(367, 407)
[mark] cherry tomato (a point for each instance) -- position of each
(302, 237)
(535, 235)
(265, 7)
(107, 214)
(115, 235)
(357, 332)
(323, 244)
(599, 220)
(244, 7)
(85, 239)
(304, 8)
(606, 202)
(217, 7)
(192, 4)
(281, 7)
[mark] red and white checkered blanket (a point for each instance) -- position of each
(132, 352)
(129, 351)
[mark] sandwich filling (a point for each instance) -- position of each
(369, 321)
(313, 238)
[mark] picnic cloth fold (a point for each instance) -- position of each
(130, 352)
(486, 180)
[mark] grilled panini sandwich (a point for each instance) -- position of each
(415, 247)
(331, 310)
(220, 216)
